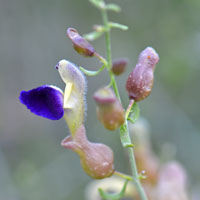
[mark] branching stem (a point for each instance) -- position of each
(122, 175)
(135, 176)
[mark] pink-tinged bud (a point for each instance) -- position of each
(96, 159)
(140, 82)
(172, 183)
(119, 66)
(81, 45)
(109, 110)
(173, 172)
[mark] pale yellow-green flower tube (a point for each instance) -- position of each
(74, 94)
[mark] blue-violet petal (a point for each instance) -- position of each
(45, 101)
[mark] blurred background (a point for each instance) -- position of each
(33, 39)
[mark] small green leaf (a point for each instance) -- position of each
(115, 196)
(98, 3)
(126, 142)
(91, 73)
(93, 35)
(134, 113)
(113, 7)
(99, 28)
(117, 25)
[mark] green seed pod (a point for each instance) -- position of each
(81, 45)
(119, 66)
(96, 159)
(140, 82)
(109, 110)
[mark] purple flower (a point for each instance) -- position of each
(45, 101)
(50, 102)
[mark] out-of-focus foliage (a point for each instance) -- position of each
(33, 39)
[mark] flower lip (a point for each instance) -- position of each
(62, 63)
(69, 72)
(72, 33)
(101, 100)
(66, 140)
(104, 96)
(45, 101)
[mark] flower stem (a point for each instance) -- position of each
(130, 149)
(101, 58)
(108, 52)
(122, 175)
(107, 37)
(128, 110)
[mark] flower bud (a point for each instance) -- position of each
(173, 172)
(172, 183)
(81, 45)
(119, 66)
(96, 159)
(109, 110)
(140, 82)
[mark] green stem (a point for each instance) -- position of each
(101, 58)
(130, 149)
(136, 180)
(114, 84)
(108, 51)
(122, 175)
(107, 37)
